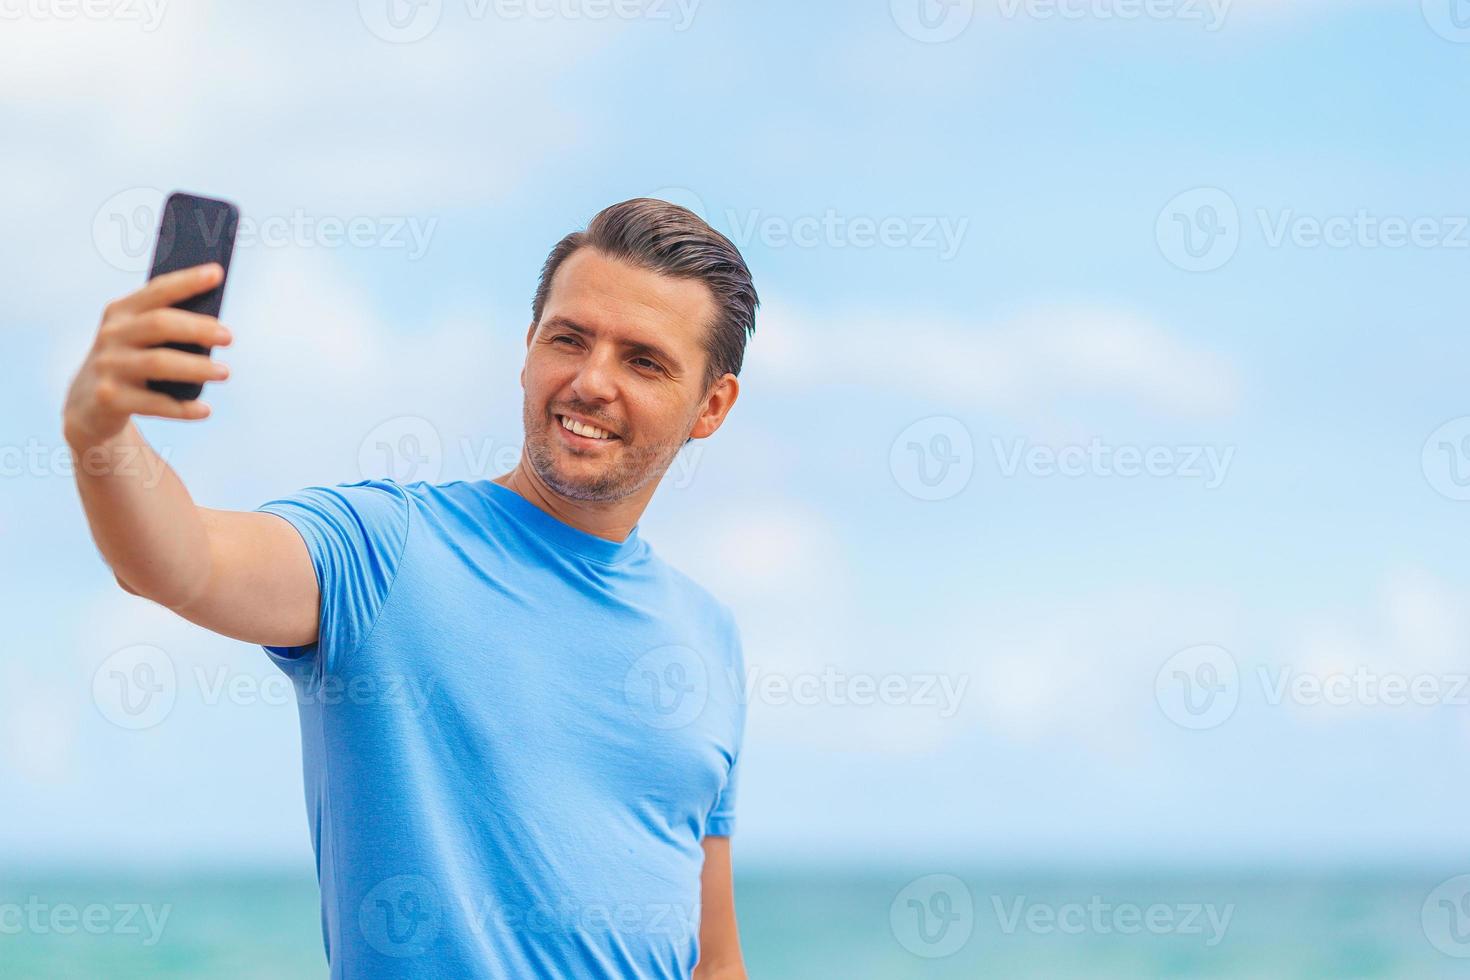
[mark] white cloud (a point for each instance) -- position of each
(1018, 365)
(1415, 626)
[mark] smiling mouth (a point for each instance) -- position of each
(585, 430)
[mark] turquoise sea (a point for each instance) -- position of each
(884, 926)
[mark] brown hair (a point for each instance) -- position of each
(672, 241)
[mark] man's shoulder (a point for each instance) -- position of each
(704, 602)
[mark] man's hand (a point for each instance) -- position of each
(112, 384)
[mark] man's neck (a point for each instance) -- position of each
(613, 520)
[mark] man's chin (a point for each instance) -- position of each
(577, 478)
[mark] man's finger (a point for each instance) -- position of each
(169, 288)
(167, 364)
(142, 401)
(181, 326)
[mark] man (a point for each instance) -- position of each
(520, 727)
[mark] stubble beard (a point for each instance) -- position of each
(630, 470)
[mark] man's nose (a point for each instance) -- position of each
(596, 381)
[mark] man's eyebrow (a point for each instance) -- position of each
(634, 346)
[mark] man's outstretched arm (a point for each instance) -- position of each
(719, 935)
(244, 575)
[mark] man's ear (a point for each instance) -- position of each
(717, 405)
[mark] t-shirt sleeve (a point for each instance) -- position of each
(721, 819)
(356, 534)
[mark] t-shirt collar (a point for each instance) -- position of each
(560, 533)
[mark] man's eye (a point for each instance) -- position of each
(565, 336)
(645, 362)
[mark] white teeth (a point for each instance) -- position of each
(582, 429)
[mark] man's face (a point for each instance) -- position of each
(619, 348)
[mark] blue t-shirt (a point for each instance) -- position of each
(515, 736)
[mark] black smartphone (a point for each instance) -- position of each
(193, 230)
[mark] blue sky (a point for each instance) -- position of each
(1058, 154)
